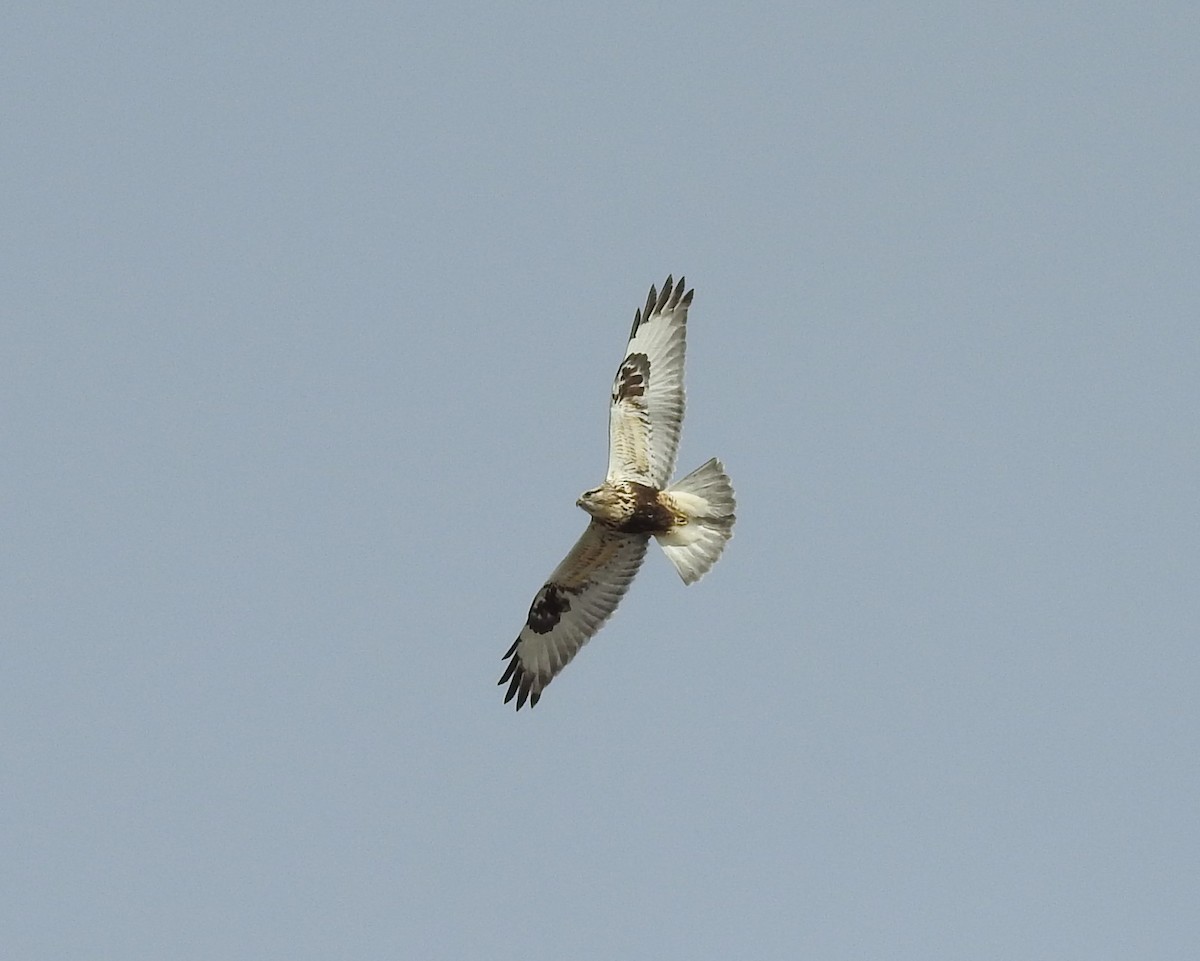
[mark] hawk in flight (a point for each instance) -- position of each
(692, 519)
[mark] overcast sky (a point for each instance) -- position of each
(310, 313)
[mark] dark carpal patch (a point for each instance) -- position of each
(633, 378)
(548, 608)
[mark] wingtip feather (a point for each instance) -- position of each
(651, 302)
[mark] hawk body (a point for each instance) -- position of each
(692, 519)
(632, 508)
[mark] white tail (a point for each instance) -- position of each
(705, 496)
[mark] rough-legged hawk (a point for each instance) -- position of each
(692, 519)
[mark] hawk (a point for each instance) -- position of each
(692, 519)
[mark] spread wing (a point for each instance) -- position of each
(647, 396)
(572, 605)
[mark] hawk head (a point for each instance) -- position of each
(603, 503)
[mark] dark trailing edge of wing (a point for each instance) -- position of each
(671, 297)
(518, 679)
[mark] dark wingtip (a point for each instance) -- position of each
(665, 297)
(651, 301)
(671, 296)
(523, 691)
(681, 295)
(519, 681)
(513, 687)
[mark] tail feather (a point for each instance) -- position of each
(705, 497)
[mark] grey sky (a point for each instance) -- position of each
(310, 313)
